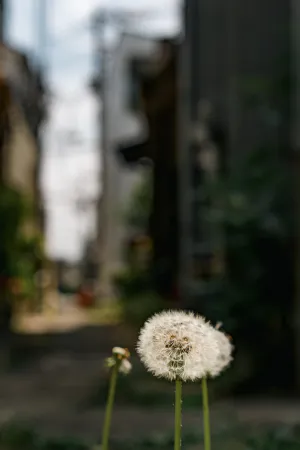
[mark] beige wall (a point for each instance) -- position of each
(20, 159)
(21, 150)
(21, 156)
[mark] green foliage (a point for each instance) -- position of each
(136, 296)
(138, 209)
(18, 253)
(134, 286)
(256, 194)
(229, 437)
(12, 214)
(142, 390)
(130, 283)
(14, 436)
(254, 208)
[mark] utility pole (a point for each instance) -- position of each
(99, 27)
(103, 19)
(2, 19)
(42, 11)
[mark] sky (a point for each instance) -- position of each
(71, 170)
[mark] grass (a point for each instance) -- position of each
(141, 389)
(19, 437)
(109, 314)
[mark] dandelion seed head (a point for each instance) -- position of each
(178, 344)
(225, 353)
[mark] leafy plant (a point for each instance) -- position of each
(137, 211)
(16, 436)
(253, 205)
(134, 288)
(18, 251)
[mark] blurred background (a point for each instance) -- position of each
(149, 159)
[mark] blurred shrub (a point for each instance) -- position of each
(136, 213)
(254, 207)
(134, 286)
(229, 437)
(19, 250)
(129, 283)
(14, 436)
(136, 296)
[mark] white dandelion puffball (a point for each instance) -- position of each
(125, 367)
(224, 357)
(178, 345)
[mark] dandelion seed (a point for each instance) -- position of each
(218, 325)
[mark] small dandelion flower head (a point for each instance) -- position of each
(121, 353)
(125, 367)
(224, 357)
(120, 356)
(178, 345)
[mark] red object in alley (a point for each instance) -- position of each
(86, 298)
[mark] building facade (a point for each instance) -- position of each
(244, 78)
(159, 102)
(22, 113)
(124, 122)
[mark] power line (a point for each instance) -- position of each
(69, 34)
(112, 14)
(42, 21)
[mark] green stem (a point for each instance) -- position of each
(177, 435)
(109, 406)
(206, 421)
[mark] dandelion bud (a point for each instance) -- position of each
(120, 357)
(121, 352)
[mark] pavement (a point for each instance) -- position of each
(48, 395)
(48, 392)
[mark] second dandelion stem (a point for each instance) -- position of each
(206, 420)
(178, 395)
(109, 405)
